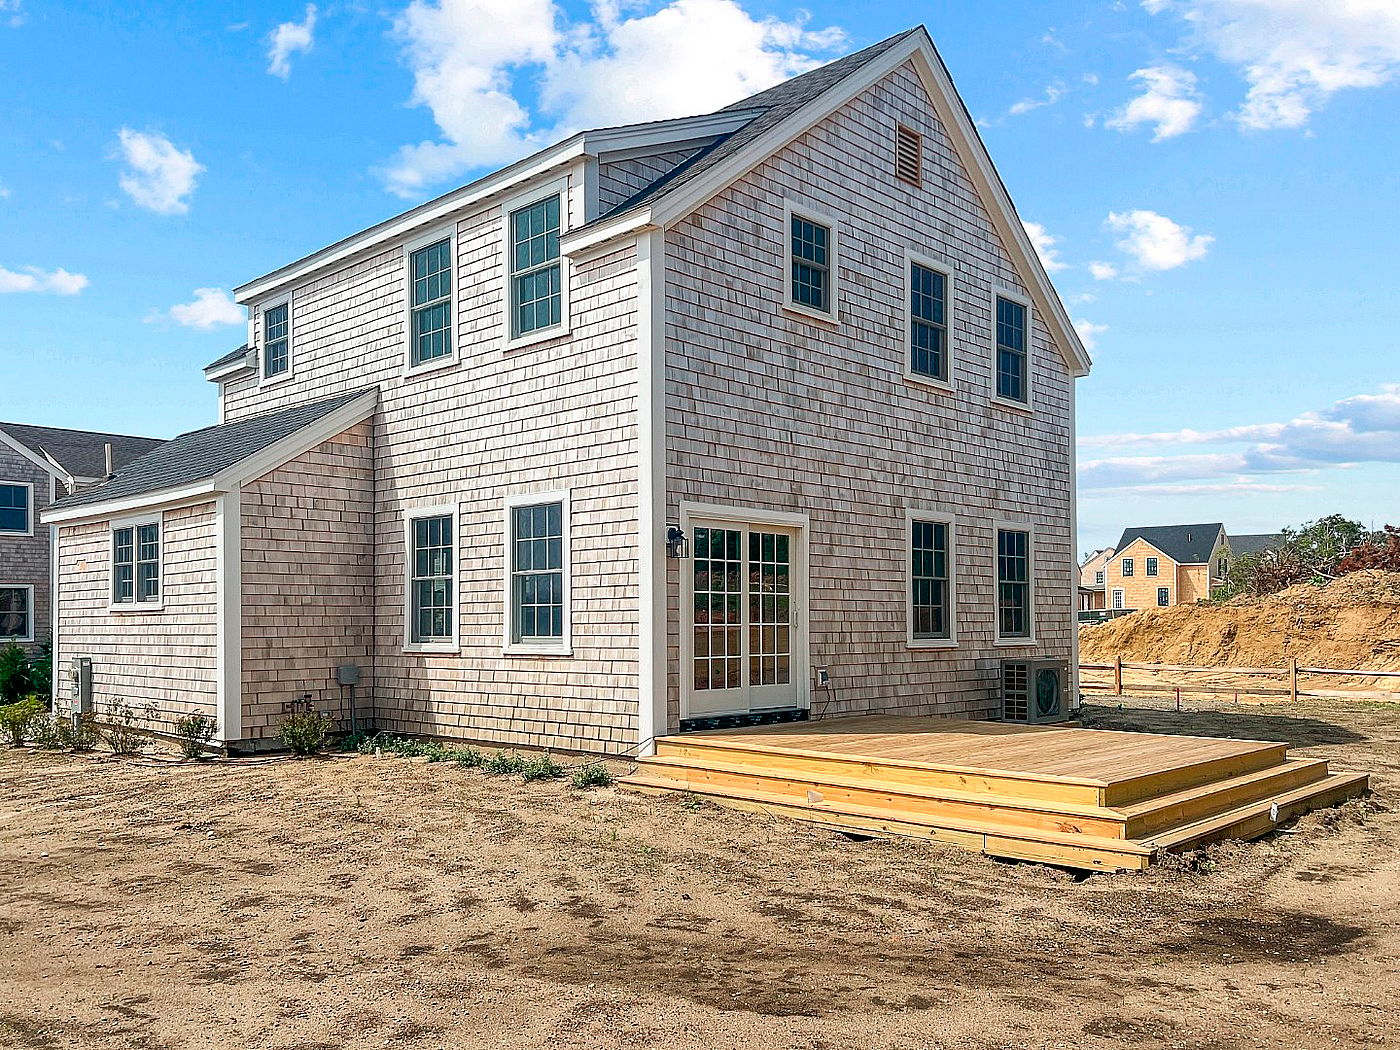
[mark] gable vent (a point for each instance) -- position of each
(908, 155)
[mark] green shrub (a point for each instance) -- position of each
(80, 734)
(120, 732)
(542, 767)
(194, 731)
(466, 757)
(305, 732)
(41, 674)
(504, 764)
(16, 684)
(595, 774)
(17, 719)
(46, 732)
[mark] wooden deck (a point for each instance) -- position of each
(1079, 797)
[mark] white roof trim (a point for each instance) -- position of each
(42, 462)
(248, 362)
(245, 470)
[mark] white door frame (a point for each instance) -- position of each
(748, 516)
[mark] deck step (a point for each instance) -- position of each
(1206, 800)
(1259, 818)
(1017, 843)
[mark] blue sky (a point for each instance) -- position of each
(1212, 182)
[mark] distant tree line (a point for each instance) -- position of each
(1317, 552)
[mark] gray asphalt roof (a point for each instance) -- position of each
(1252, 543)
(80, 452)
(201, 454)
(1183, 544)
(232, 355)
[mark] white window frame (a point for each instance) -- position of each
(29, 532)
(1028, 405)
(133, 522)
(1150, 565)
(563, 646)
(929, 262)
(1118, 599)
(1127, 567)
(1029, 639)
(263, 308)
(804, 211)
(440, 233)
(942, 517)
(1098, 578)
(7, 638)
(1161, 591)
(437, 645)
(509, 340)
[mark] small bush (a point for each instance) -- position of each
(16, 683)
(17, 719)
(41, 674)
(120, 732)
(194, 731)
(80, 734)
(504, 764)
(356, 741)
(595, 774)
(47, 731)
(542, 767)
(466, 757)
(305, 732)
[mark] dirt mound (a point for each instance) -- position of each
(1353, 622)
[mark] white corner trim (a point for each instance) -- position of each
(802, 210)
(1029, 528)
(925, 512)
(651, 490)
(950, 284)
(510, 646)
(432, 645)
(228, 576)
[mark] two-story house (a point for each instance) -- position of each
(664, 426)
(1093, 576)
(1163, 565)
(38, 465)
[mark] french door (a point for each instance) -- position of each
(743, 618)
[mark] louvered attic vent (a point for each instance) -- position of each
(908, 155)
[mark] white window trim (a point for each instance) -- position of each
(804, 211)
(410, 515)
(565, 645)
(6, 638)
(1028, 528)
(1119, 596)
(263, 378)
(33, 511)
(1150, 566)
(930, 514)
(509, 340)
(451, 358)
(1164, 604)
(1028, 405)
(946, 269)
(1131, 564)
(157, 519)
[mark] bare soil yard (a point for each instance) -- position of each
(383, 902)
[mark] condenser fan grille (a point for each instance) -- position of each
(1015, 690)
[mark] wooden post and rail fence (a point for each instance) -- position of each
(1289, 674)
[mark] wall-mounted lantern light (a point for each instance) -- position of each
(677, 546)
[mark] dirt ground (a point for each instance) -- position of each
(362, 902)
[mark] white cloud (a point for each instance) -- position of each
(1155, 242)
(1045, 243)
(288, 39)
(1169, 102)
(690, 56)
(1295, 54)
(159, 177)
(33, 279)
(211, 308)
(1089, 333)
(12, 12)
(1102, 271)
(1360, 429)
(1053, 93)
(4, 191)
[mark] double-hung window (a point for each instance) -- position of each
(431, 592)
(1126, 567)
(811, 264)
(1164, 596)
(277, 340)
(430, 302)
(1152, 566)
(1012, 374)
(538, 570)
(1014, 617)
(16, 613)
(536, 272)
(1098, 578)
(16, 508)
(928, 322)
(930, 581)
(136, 563)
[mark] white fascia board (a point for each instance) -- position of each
(629, 225)
(41, 462)
(199, 492)
(247, 363)
(57, 470)
(666, 133)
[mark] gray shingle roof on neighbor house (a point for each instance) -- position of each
(1183, 544)
(1253, 543)
(201, 454)
(83, 453)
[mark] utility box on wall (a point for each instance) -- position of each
(77, 699)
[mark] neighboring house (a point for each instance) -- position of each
(1165, 565)
(1249, 543)
(1092, 576)
(636, 435)
(37, 466)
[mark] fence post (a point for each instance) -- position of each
(1117, 676)
(1293, 680)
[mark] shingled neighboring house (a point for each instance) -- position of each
(38, 465)
(665, 425)
(1163, 565)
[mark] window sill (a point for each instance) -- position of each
(1015, 406)
(539, 335)
(943, 386)
(931, 643)
(135, 607)
(1015, 643)
(280, 377)
(423, 648)
(537, 650)
(806, 313)
(7, 534)
(429, 367)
